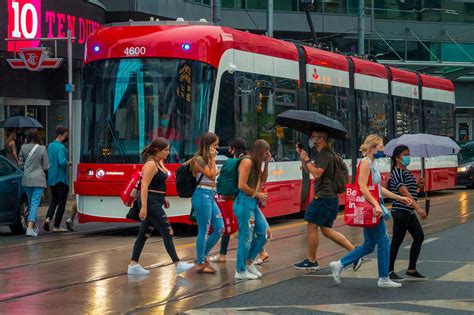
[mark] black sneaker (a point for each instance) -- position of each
(394, 277)
(415, 275)
(306, 265)
(357, 264)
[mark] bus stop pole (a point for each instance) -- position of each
(70, 123)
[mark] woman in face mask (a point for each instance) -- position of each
(403, 183)
(372, 149)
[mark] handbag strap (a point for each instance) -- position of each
(370, 183)
(28, 158)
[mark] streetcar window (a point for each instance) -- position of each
(407, 115)
(258, 101)
(130, 102)
(372, 112)
(439, 118)
(332, 101)
(225, 128)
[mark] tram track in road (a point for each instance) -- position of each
(119, 274)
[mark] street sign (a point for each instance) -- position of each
(34, 59)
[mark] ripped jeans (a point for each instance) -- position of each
(155, 218)
(252, 229)
(207, 215)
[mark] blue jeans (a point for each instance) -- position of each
(34, 199)
(207, 215)
(376, 236)
(252, 229)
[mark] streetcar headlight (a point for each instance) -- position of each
(100, 173)
(462, 169)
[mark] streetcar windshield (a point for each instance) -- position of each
(129, 102)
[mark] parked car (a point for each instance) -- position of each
(465, 175)
(13, 201)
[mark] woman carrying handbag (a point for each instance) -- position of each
(372, 149)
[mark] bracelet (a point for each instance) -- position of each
(307, 161)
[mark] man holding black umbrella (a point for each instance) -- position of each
(322, 211)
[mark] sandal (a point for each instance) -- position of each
(260, 261)
(206, 269)
(217, 259)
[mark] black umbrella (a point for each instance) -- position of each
(20, 122)
(306, 122)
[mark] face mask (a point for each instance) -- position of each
(311, 143)
(164, 122)
(405, 160)
(379, 154)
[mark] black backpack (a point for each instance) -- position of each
(185, 181)
(341, 174)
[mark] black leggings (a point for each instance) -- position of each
(156, 218)
(403, 222)
(59, 197)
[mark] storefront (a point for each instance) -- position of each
(41, 94)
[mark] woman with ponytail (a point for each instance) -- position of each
(372, 149)
(153, 200)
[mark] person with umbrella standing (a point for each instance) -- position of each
(322, 211)
(34, 161)
(403, 183)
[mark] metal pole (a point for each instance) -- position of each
(361, 28)
(69, 81)
(270, 18)
(216, 12)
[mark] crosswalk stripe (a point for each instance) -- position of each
(429, 240)
(462, 274)
(458, 305)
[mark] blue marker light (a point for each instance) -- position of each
(186, 46)
(96, 48)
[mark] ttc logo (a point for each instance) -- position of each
(315, 74)
(34, 59)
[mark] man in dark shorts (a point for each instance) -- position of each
(322, 211)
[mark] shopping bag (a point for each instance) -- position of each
(230, 221)
(358, 211)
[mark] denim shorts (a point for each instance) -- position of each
(322, 211)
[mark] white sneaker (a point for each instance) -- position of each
(387, 283)
(183, 266)
(246, 275)
(31, 232)
(137, 270)
(336, 268)
(253, 270)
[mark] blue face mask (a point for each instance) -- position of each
(379, 154)
(405, 160)
(165, 122)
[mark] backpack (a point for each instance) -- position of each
(131, 190)
(185, 181)
(227, 181)
(341, 174)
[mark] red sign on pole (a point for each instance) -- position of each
(34, 59)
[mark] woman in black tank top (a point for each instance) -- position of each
(153, 200)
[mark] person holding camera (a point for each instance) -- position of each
(323, 209)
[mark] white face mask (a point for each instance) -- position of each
(311, 143)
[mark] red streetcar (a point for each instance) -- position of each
(179, 80)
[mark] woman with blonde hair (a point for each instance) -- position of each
(203, 166)
(372, 149)
(252, 224)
